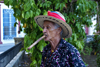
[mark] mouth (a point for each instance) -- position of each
(45, 35)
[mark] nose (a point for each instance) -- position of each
(44, 30)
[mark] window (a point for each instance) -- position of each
(9, 31)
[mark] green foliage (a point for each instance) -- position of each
(88, 50)
(77, 14)
(98, 59)
(93, 46)
(97, 27)
(15, 24)
(96, 43)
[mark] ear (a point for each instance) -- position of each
(59, 30)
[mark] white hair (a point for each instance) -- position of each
(57, 26)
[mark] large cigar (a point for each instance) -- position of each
(36, 42)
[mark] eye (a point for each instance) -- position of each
(43, 27)
(48, 27)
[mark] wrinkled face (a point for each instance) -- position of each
(49, 30)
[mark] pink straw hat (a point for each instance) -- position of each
(57, 18)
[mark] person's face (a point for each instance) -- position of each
(49, 30)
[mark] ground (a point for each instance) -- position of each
(90, 60)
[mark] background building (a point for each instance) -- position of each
(7, 29)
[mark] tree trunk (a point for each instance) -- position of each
(98, 16)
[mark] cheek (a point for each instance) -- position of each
(52, 33)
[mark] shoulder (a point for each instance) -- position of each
(67, 44)
(73, 55)
(70, 47)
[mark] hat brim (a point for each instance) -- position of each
(67, 31)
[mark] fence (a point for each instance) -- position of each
(8, 55)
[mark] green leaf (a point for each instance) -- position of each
(78, 26)
(38, 12)
(20, 28)
(45, 12)
(62, 5)
(34, 62)
(27, 15)
(15, 24)
(70, 39)
(27, 6)
(40, 46)
(10, 2)
(75, 37)
(6, 2)
(23, 14)
(40, 28)
(70, 0)
(22, 21)
(57, 6)
(18, 12)
(65, 1)
(35, 25)
(32, 2)
(48, 3)
(31, 13)
(79, 45)
(41, 5)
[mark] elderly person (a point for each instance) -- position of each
(58, 53)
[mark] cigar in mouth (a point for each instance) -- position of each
(36, 42)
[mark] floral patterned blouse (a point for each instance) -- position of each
(66, 55)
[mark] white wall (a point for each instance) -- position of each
(3, 6)
(92, 27)
(21, 33)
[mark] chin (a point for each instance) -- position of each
(46, 39)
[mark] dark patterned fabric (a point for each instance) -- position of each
(66, 55)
